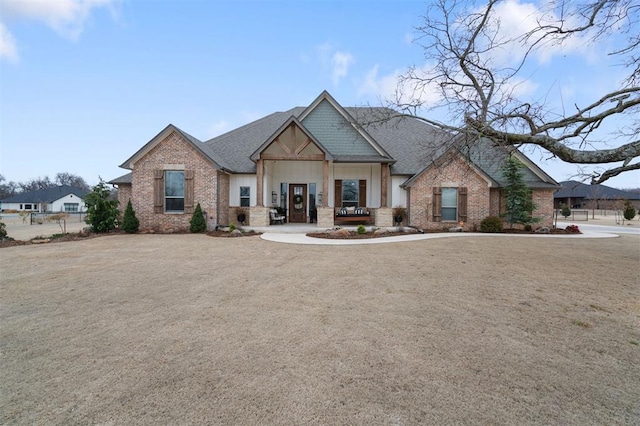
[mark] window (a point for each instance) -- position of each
(349, 193)
(174, 191)
(71, 207)
(449, 204)
(312, 196)
(245, 196)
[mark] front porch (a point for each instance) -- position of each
(381, 217)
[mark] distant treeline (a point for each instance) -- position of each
(8, 189)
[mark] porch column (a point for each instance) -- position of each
(384, 178)
(325, 183)
(260, 175)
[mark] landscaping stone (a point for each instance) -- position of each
(543, 230)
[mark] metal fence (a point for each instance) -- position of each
(37, 218)
(575, 215)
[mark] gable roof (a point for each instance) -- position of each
(336, 128)
(194, 142)
(46, 195)
(292, 120)
(355, 135)
(575, 189)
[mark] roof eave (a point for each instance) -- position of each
(129, 163)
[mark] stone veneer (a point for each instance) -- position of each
(173, 153)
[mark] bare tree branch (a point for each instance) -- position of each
(476, 67)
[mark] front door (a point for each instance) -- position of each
(298, 203)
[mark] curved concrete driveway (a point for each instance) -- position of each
(303, 239)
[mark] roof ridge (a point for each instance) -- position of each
(251, 124)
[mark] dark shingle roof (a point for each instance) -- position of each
(408, 143)
(46, 195)
(236, 146)
(575, 189)
(124, 179)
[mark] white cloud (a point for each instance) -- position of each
(336, 61)
(66, 17)
(341, 62)
(8, 49)
(390, 88)
(517, 19)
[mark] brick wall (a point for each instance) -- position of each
(223, 201)
(456, 173)
(124, 195)
(173, 150)
(543, 199)
(482, 201)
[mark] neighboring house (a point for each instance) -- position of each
(63, 198)
(578, 195)
(310, 162)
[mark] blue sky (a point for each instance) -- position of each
(84, 84)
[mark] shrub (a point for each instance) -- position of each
(572, 229)
(362, 229)
(3, 231)
(565, 210)
(130, 222)
(629, 211)
(491, 224)
(198, 222)
(232, 227)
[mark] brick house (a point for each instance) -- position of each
(327, 164)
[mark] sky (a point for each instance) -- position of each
(85, 83)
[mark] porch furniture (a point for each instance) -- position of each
(352, 214)
(274, 217)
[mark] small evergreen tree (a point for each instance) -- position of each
(130, 222)
(3, 231)
(519, 203)
(565, 210)
(629, 211)
(102, 212)
(198, 222)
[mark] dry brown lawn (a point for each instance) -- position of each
(189, 329)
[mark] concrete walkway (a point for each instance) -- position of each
(600, 227)
(303, 239)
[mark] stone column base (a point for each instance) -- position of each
(259, 216)
(384, 217)
(325, 217)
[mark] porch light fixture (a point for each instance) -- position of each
(319, 198)
(274, 197)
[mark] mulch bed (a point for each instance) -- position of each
(353, 235)
(225, 234)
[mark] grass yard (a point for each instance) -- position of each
(189, 329)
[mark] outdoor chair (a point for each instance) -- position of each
(275, 217)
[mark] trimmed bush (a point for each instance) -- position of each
(198, 222)
(565, 210)
(3, 231)
(362, 229)
(491, 224)
(130, 222)
(629, 211)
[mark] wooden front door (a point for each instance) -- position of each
(298, 203)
